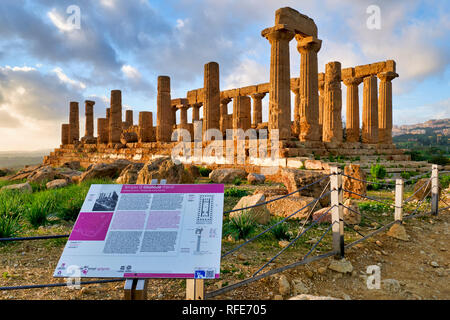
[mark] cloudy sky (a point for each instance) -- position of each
(46, 62)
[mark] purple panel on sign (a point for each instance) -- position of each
(91, 226)
(173, 188)
(128, 220)
(163, 219)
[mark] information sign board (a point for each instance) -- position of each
(146, 231)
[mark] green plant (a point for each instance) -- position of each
(280, 231)
(444, 181)
(37, 211)
(378, 171)
(237, 181)
(235, 192)
(204, 172)
(240, 227)
(9, 225)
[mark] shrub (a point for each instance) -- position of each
(237, 181)
(378, 171)
(235, 192)
(240, 227)
(204, 172)
(36, 213)
(444, 181)
(374, 207)
(280, 231)
(9, 225)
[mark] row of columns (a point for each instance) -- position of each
(110, 128)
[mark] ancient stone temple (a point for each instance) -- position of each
(311, 127)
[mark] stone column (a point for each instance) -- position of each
(196, 112)
(242, 113)
(385, 107)
(352, 111)
(115, 119)
(164, 116)
(211, 102)
(74, 123)
(65, 134)
(297, 116)
(224, 114)
(145, 127)
(89, 114)
(321, 101)
(370, 111)
(309, 91)
(128, 119)
(183, 114)
(280, 80)
(257, 108)
(332, 120)
(102, 130)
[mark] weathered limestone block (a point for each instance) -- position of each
(370, 111)
(21, 187)
(254, 178)
(355, 171)
(164, 168)
(227, 175)
(259, 214)
(295, 179)
(332, 121)
(129, 174)
(115, 120)
(58, 183)
(128, 137)
(104, 170)
(287, 206)
(295, 20)
(424, 185)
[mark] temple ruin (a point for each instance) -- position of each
(312, 127)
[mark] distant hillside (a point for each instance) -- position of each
(428, 141)
(18, 159)
(438, 127)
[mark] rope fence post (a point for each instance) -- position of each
(337, 214)
(398, 215)
(434, 190)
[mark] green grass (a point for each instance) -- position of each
(19, 211)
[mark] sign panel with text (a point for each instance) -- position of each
(146, 231)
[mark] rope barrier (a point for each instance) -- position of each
(54, 285)
(282, 197)
(273, 226)
(419, 203)
(421, 187)
(370, 182)
(266, 274)
(373, 199)
(294, 240)
(35, 238)
(365, 216)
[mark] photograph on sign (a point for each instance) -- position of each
(147, 231)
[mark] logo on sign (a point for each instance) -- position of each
(199, 274)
